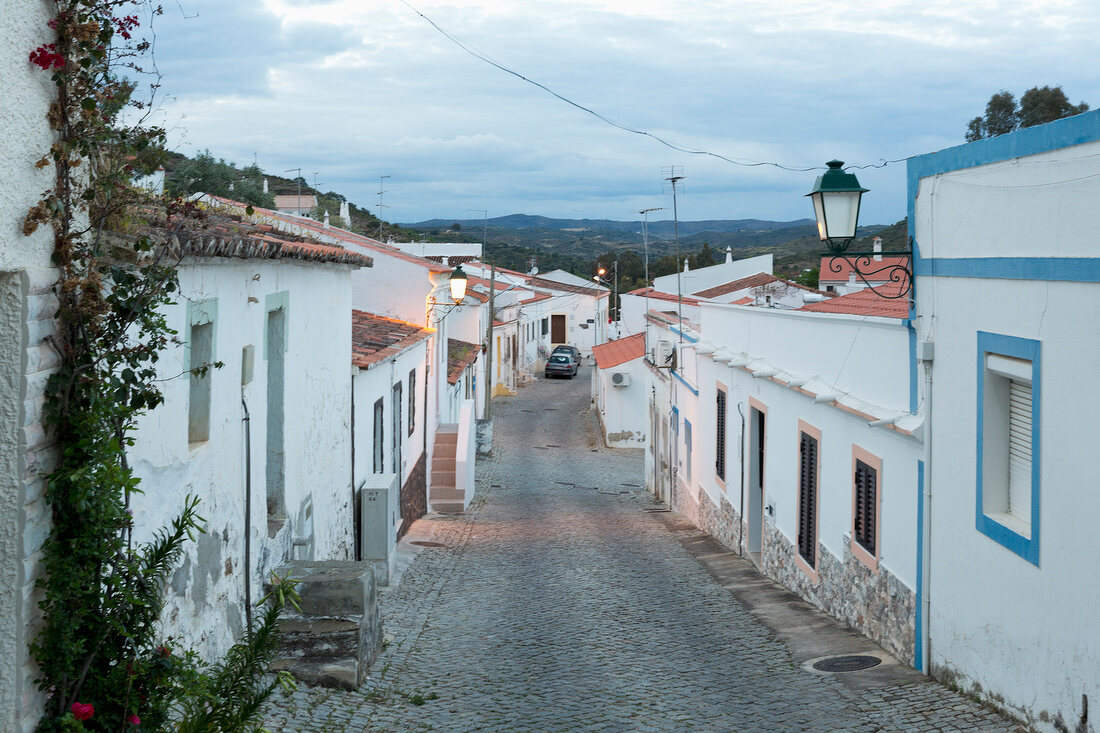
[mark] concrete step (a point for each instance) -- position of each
(448, 507)
(446, 439)
(443, 464)
(448, 451)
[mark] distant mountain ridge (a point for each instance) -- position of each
(658, 229)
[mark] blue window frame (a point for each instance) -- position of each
(1008, 441)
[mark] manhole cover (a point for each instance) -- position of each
(849, 663)
(427, 543)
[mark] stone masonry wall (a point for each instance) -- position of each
(876, 604)
(414, 495)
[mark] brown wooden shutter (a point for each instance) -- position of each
(866, 485)
(807, 499)
(720, 447)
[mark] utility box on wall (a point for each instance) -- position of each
(379, 516)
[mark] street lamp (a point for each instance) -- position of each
(836, 197)
(458, 284)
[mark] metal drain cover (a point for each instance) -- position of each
(849, 663)
(427, 543)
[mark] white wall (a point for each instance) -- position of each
(633, 310)
(708, 277)
(624, 410)
(1015, 631)
(204, 605)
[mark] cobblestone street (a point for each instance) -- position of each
(558, 603)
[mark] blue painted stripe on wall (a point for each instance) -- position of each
(685, 382)
(1066, 269)
(918, 626)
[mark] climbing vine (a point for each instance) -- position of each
(102, 663)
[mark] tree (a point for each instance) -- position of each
(1037, 106)
(207, 175)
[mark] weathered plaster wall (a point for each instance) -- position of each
(206, 604)
(623, 410)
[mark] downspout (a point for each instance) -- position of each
(741, 523)
(247, 513)
(356, 549)
(926, 525)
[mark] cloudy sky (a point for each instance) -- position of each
(357, 89)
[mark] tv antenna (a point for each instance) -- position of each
(381, 205)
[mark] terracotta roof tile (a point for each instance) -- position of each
(752, 281)
(614, 353)
(375, 338)
(540, 282)
(460, 354)
(659, 295)
(536, 298)
(862, 303)
(319, 230)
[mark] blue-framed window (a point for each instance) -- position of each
(1008, 432)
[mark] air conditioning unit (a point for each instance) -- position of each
(666, 355)
(620, 379)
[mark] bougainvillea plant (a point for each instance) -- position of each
(102, 664)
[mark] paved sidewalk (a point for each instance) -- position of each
(558, 603)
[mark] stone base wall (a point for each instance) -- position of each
(414, 495)
(875, 604)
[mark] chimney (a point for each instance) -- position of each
(345, 213)
(326, 218)
(729, 254)
(265, 185)
(878, 249)
(685, 264)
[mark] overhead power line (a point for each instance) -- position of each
(626, 128)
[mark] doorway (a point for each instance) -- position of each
(755, 509)
(557, 329)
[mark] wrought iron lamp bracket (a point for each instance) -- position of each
(866, 268)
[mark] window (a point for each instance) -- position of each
(199, 354)
(1008, 442)
(379, 428)
(545, 326)
(412, 400)
(198, 406)
(720, 432)
(395, 405)
(809, 439)
(866, 494)
(275, 348)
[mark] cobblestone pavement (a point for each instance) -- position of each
(556, 603)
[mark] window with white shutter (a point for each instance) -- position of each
(1008, 441)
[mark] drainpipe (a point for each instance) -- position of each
(741, 523)
(356, 550)
(247, 513)
(926, 530)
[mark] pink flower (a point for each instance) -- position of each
(134, 720)
(82, 710)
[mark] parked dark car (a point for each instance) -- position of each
(571, 351)
(560, 364)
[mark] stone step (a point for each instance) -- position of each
(448, 507)
(447, 451)
(447, 493)
(446, 439)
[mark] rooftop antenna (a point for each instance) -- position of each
(672, 175)
(645, 246)
(299, 179)
(380, 204)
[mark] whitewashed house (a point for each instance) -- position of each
(388, 431)
(1003, 362)
(263, 441)
(619, 391)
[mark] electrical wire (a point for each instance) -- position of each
(626, 128)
